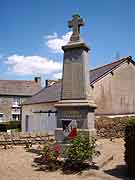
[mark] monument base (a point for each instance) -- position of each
(82, 103)
(60, 137)
(75, 114)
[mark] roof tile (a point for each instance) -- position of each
(19, 87)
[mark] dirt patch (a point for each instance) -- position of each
(17, 164)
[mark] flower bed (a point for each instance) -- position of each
(75, 157)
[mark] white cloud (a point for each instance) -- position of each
(54, 43)
(57, 75)
(29, 65)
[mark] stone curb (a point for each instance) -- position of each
(99, 163)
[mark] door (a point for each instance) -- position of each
(26, 123)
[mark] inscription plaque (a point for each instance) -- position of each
(71, 115)
(73, 56)
(67, 116)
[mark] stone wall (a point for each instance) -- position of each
(111, 127)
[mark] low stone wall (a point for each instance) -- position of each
(19, 138)
(111, 127)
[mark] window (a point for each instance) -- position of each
(26, 123)
(15, 117)
(16, 100)
(49, 113)
(16, 110)
(1, 117)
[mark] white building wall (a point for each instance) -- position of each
(38, 121)
(115, 93)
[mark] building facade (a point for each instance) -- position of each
(12, 94)
(112, 87)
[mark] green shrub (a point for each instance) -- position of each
(49, 157)
(79, 154)
(51, 153)
(4, 126)
(81, 149)
(130, 146)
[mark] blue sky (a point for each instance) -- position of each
(32, 31)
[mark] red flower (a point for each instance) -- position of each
(57, 149)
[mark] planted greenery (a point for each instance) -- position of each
(81, 148)
(49, 157)
(130, 146)
(4, 126)
(51, 153)
(78, 155)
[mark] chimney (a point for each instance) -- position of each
(37, 79)
(46, 83)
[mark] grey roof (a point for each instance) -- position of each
(101, 71)
(52, 93)
(47, 94)
(19, 87)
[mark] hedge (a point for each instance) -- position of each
(130, 146)
(4, 126)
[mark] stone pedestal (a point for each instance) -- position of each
(76, 104)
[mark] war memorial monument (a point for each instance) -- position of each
(76, 108)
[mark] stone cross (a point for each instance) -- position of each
(75, 23)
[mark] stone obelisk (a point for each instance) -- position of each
(76, 106)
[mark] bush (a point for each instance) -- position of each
(77, 156)
(130, 146)
(49, 157)
(51, 153)
(79, 153)
(4, 126)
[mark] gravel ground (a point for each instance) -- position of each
(16, 164)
